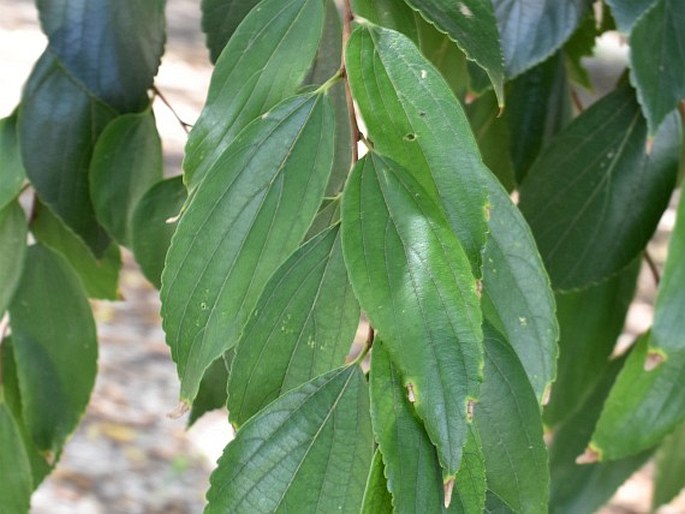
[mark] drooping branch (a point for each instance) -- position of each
(185, 126)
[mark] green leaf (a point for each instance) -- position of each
(58, 126)
(220, 19)
(532, 31)
(12, 174)
(590, 323)
(594, 196)
(669, 476)
(517, 297)
(151, 226)
(112, 48)
(16, 484)
(414, 281)
(411, 463)
(99, 276)
(310, 449)
(303, 326)
(643, 405)
(250, 78)
(326, 65)
(377, 498)
(212, 392)
(508, 419)
(52, 328)
(538, 106)
(576, 487)
(390, 14)
(13, 230)
(626, 13)
(127, 161)
(472, 24)
(10, 385)
(328, 215)
(250, 212)
(413, 118)
(658, 63)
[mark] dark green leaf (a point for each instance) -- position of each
(643, 405)
(12, 174)
(390, 14)
(311, 449)
(590, 323)
(581, 45)
(658, 63)
(626, 12)
(594, 196)
(517, 297)
(10, 384)
(16, 484)
(328, 215)
(508, 419)
(532, 31)
(99, 276)
(220, 19)
(112, 47)
(493, 136)
(250, 212)
(13, 230)
(127, 161)
(669, 476)
(377, 498)
(52, 329)
(413, 117)
(580, 488)
(303, 326)
(472, 24)
(151, 226)
(326, 65)
(538, 106)
(411, 463)
(250, 78)
(58, 126)
(212, 392)
(414, 281)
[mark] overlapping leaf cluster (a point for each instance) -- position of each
(488, 321)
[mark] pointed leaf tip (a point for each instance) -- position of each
(589, 456)
(180, 409)
(449, 487)
(654, 359)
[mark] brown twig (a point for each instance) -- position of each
(576, 101)
(348, 16)
(185, 126)
(652, 267)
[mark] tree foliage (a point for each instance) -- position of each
(490, 321)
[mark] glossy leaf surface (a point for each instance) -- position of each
(99, 276)
(413, 117)
(52, 327)
(411, 462)
(252, 210)
(127, 161)
(669, 476)
(16, 484)
(658, 63)
(414, 281)
(111, 47)
(249, 78)
(59, 124)
(13, 231)
(532, 31)
(596, 183)
(508, 419)
(472, 24)
(220, 19)
(152, 225)
(303, 326)
(12, 174)
(590, 322)
(516, 296)
(281, 460)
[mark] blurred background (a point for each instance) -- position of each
(128, 456)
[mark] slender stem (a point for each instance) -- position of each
(185, 126)
(576, 101)
(652, 267)
(348, 16)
